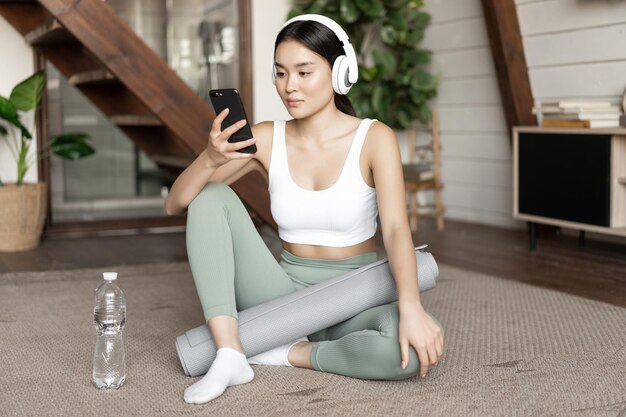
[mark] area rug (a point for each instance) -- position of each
(511, 350)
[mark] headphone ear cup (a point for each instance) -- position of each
(341, 85)
(273, 75)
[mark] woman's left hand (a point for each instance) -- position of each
(419, 330)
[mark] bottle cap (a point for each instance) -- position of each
(109, 276)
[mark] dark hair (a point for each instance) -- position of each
(321, 40)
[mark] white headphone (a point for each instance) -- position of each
(345, 68)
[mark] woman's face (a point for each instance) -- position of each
(303, 79)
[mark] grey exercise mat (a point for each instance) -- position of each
(306, 311)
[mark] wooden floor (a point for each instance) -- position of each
(596, 271)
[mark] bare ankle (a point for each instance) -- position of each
(300, 354)
(225, 332)
(236, 346)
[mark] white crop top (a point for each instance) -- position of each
(341, 215)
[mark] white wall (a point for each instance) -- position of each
(267, 19)
(476, 151)
(574, 50)
(17, 64)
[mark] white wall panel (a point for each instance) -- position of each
(456, 35)
(477, 146)
(561, 15)
(448, 10)
(587, 45)
(482, 90)
(485, 173)
(472, 118)
(463, 63)
(588, 80)
(498, 200)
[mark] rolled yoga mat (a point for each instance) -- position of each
(306, 311)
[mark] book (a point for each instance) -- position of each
(549, 122)
(564, 123)
(603, 123)
(575, 110)
(583, 116)
(565, 104)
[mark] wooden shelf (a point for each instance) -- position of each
(176, 161)
(95, 77)
(613, 199)
(135, 120)
(617, 131)
(616, 231)
(50, 33)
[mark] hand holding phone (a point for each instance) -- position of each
(228, 98)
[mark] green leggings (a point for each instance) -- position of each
(234, 270)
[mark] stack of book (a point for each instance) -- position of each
(578, 114)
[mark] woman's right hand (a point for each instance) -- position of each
(219, 150)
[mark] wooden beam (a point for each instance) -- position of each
(245, 57)
(508, 56)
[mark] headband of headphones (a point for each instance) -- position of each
(353, 67)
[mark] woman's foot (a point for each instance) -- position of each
(230, 367)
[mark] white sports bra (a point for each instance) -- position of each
(341, 215)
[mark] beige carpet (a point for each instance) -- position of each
(511, 350)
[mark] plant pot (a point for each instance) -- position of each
(22, 215)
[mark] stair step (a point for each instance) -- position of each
(95, 77)
(50, 33)
(135, 120)
(176, 161)
(24, 16)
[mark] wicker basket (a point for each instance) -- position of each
(22, 214)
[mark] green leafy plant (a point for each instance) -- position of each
(393, 85)
(25, 97)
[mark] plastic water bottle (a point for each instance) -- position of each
(109, 317)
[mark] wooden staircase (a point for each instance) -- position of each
(122, 76)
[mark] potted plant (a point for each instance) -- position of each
(23, 206)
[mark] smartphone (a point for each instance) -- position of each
(229, 98)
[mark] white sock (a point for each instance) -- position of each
(278, 356)
(229, 368)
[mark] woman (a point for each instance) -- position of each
(330, 174)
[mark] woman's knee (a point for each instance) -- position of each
(213, 195)
(390, 362)
(392, 356)
(390, 352)
(413, 366)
